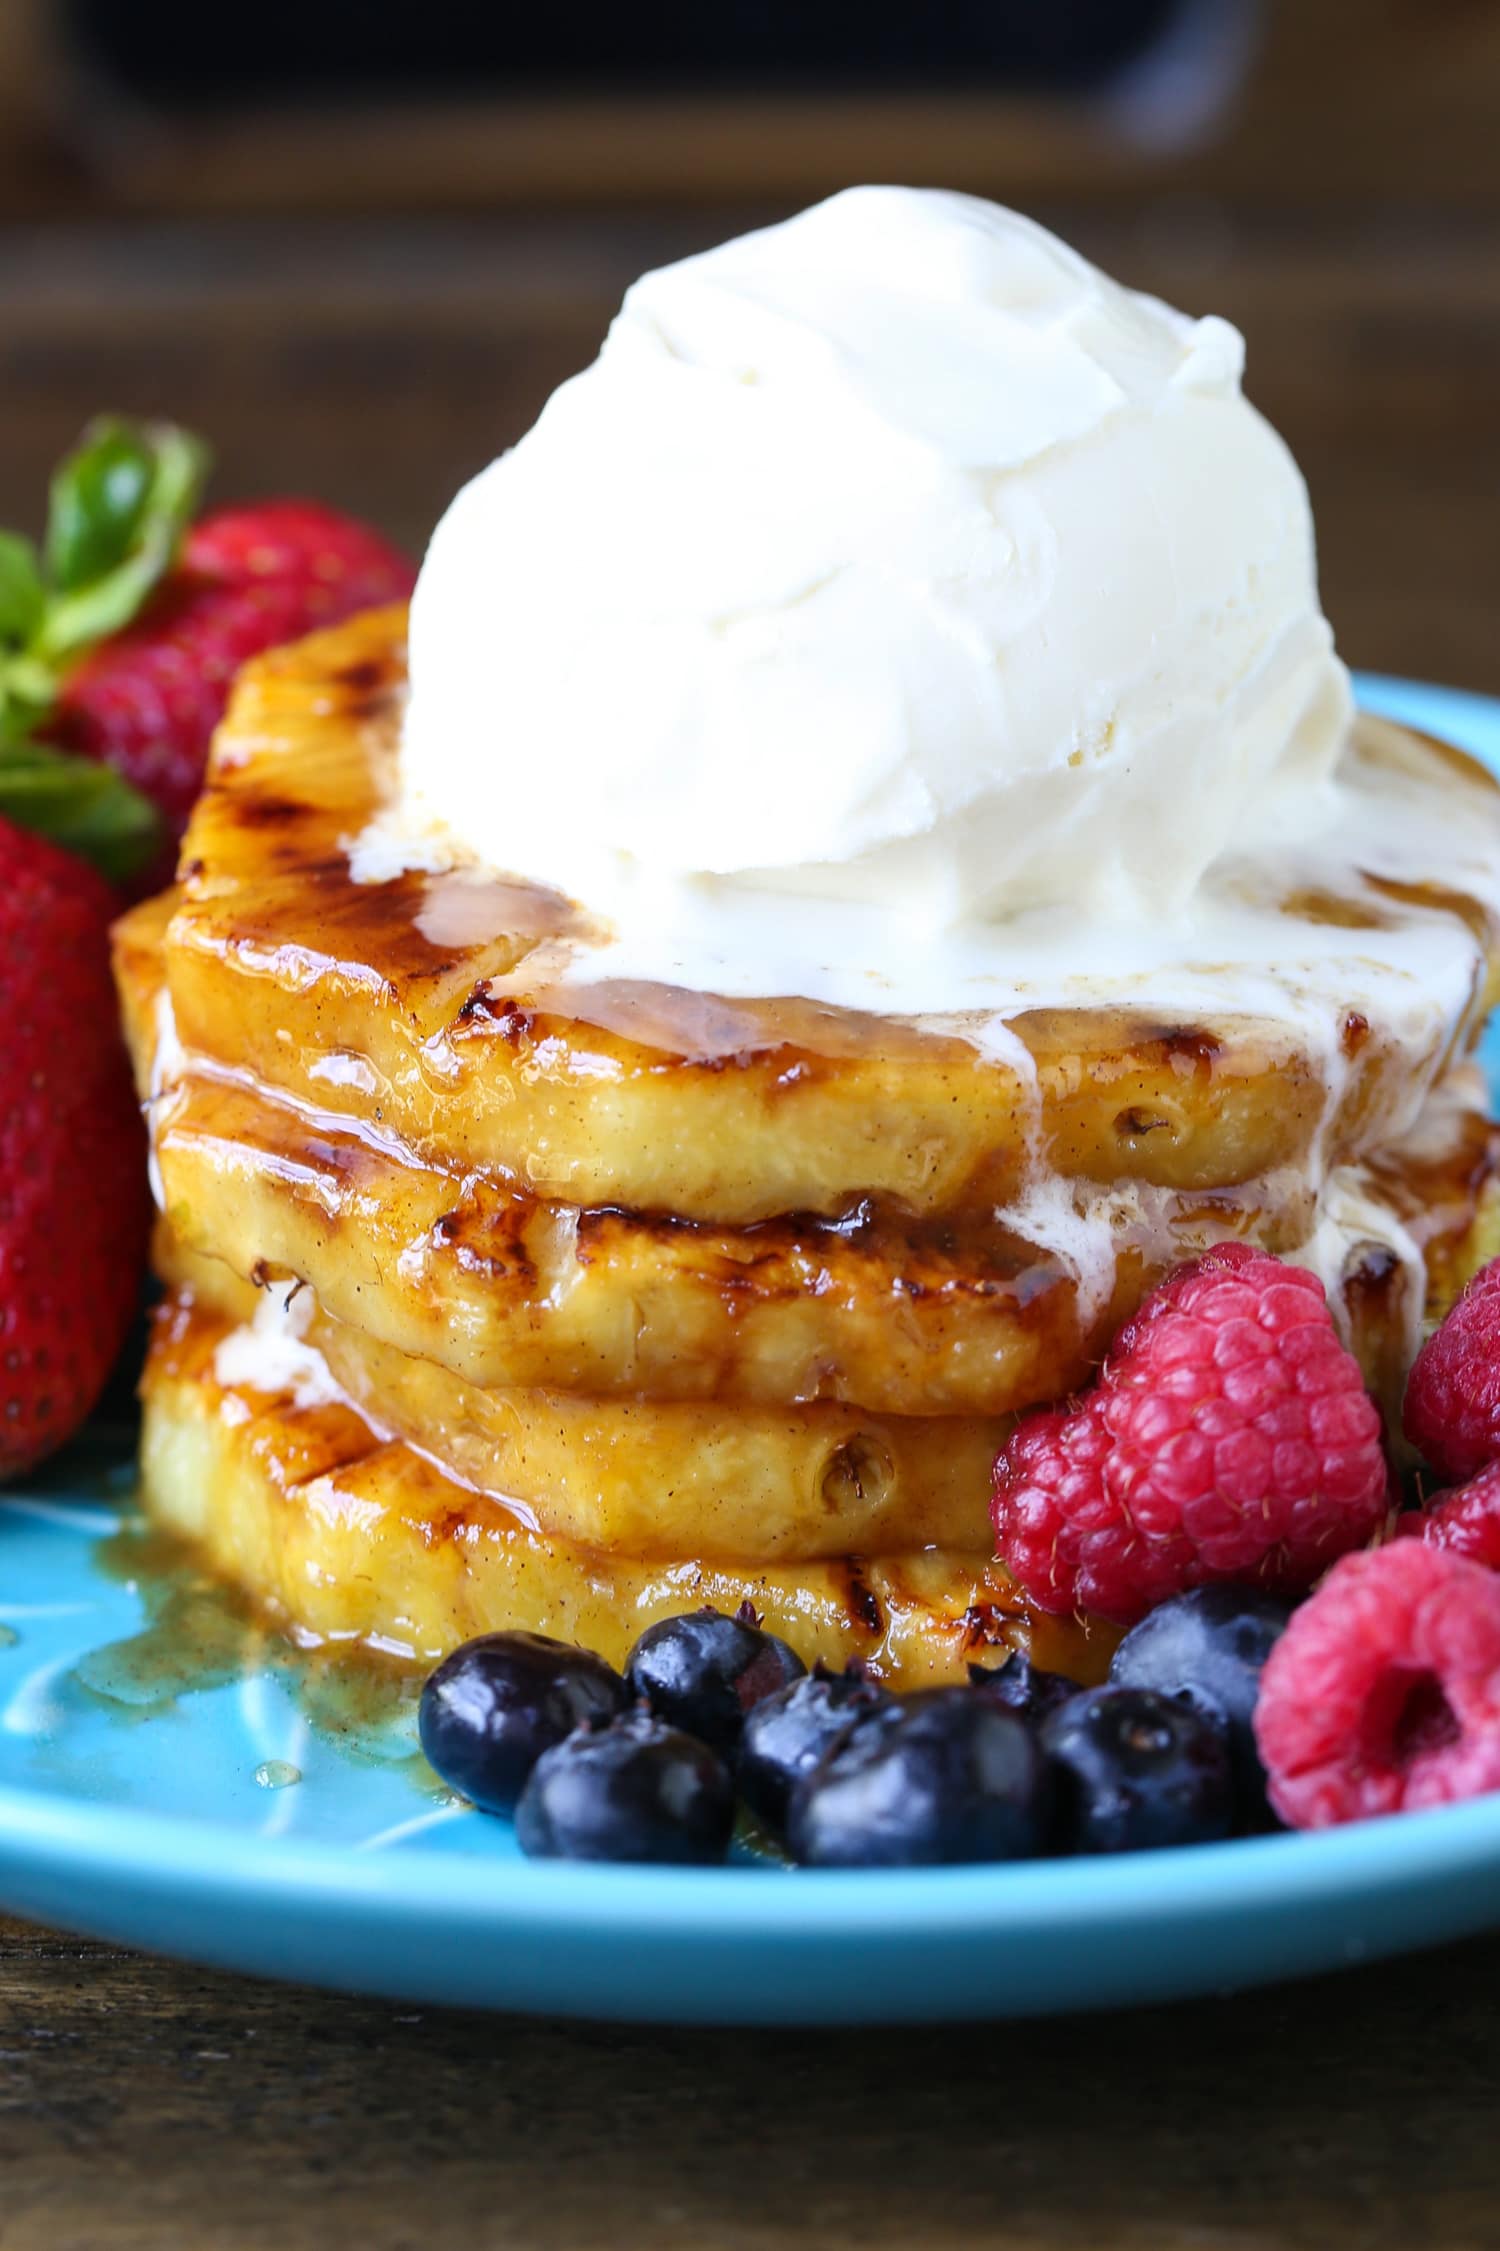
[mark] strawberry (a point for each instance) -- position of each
(73, 1197)
(119, 641)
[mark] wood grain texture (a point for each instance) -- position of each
(143, 2105)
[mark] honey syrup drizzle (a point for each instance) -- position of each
(472, 957)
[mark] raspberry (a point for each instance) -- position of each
(1229, 1437)
(1452, 1412)
(1466, 1522)
(1383, 1694)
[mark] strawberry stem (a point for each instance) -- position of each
(120, 504)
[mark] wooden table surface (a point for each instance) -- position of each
(142, 2104)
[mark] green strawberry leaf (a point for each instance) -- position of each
(120, 505)
(82, 804)
(99, 495)
(22, 594)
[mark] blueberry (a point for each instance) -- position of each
(787, 1734)
(948, 1775)
(635, 1790)
(1209, 1647)
(704, 1672)
(1137, 1769)
(493, 1707)
(1023, 1687)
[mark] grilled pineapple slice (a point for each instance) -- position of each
(411, 1002)
(644, 1478)
(899, 1317)
(895, 1317)
(640, 1477)
(344, 1535)
(508, 1292)
(651, 1477)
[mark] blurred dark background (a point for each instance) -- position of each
(358, 244)
(167, 49)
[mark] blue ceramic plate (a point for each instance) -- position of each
(171, 1780)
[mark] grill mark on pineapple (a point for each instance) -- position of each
(860, 1598)
(361, 674)
(370, 688)
(984, 1626)
(261, 810)
(802, 1254)
(490, 1245)
(1190, 1047)
(504, 1017)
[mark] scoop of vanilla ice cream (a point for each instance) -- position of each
(893, 553)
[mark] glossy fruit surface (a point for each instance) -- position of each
(947, 1776)
(786, 1734)
(635, 1790)
(1229, 1436)
(1452, 1408)
(704, 1671)
(1383, 1694)
(74, 1204)
(1135, 1770)
(1465, 1520)
(493, 1707)
(1210, 1648)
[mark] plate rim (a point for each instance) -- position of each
(1350, 1860)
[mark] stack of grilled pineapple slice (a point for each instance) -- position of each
(603, 1303)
